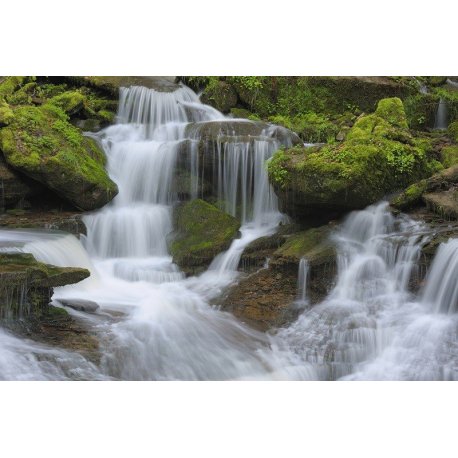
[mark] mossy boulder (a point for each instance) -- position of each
(41, 143)
(378, 156)
(449, 155)
(220, 95)
(26, 284)
(439, 193)
(453, 131)
(70, 102)
(201, 232)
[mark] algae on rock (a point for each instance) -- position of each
(201, 232)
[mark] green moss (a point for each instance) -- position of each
(221, 95)
(9, 84)
(311, 127)
(411, 197)
(453, 131)
(202, 231)
(314, 245)
(6, 114)
(378, 156)
(392, 111)
(41, 143)
(449, 155)
(70, 102)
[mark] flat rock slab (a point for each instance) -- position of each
(80, 305)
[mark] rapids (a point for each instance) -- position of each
(155, 324)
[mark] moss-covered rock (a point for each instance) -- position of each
(26, 284)
(449, 155)
(201, 232)
(453, 131)
(220, 95)
(378, 156)
(70, 102)
(42, 144)
(411, 197)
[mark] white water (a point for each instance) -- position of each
(441, 121)
(154, 324)
(302, 278)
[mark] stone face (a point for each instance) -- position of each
(42, 144)
(201, 232)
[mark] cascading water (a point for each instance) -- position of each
(370, 326)
(441, 121)
(302, 277)
(155, 324)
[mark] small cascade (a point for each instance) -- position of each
(441, 292)
(302, 278)
(441, 121)
(377, 255)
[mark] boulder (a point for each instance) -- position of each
(378, 156)
(439, 193)
(201, 232)
(40, 143)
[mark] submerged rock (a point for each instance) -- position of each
(379, 155)
(201, 232)
(42, 144)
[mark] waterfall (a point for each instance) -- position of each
(370, 326)
(441, 290)
(441, 121)
(155, 324)
(302, 278)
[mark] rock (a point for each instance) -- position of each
(80, 305)
(201, 232)
(267, 297)
(56, 220)
(111, 84)
(42, 144)
(70, 102)
(14, 188)
(449, 155)
(378, 156)
(220, 95)
(439, 193)
(26, 284)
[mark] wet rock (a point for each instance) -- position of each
(80, 305)
(26, 284)
(266, 297)
(58, 220)
(201, 232)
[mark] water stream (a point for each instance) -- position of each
(155, 324)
